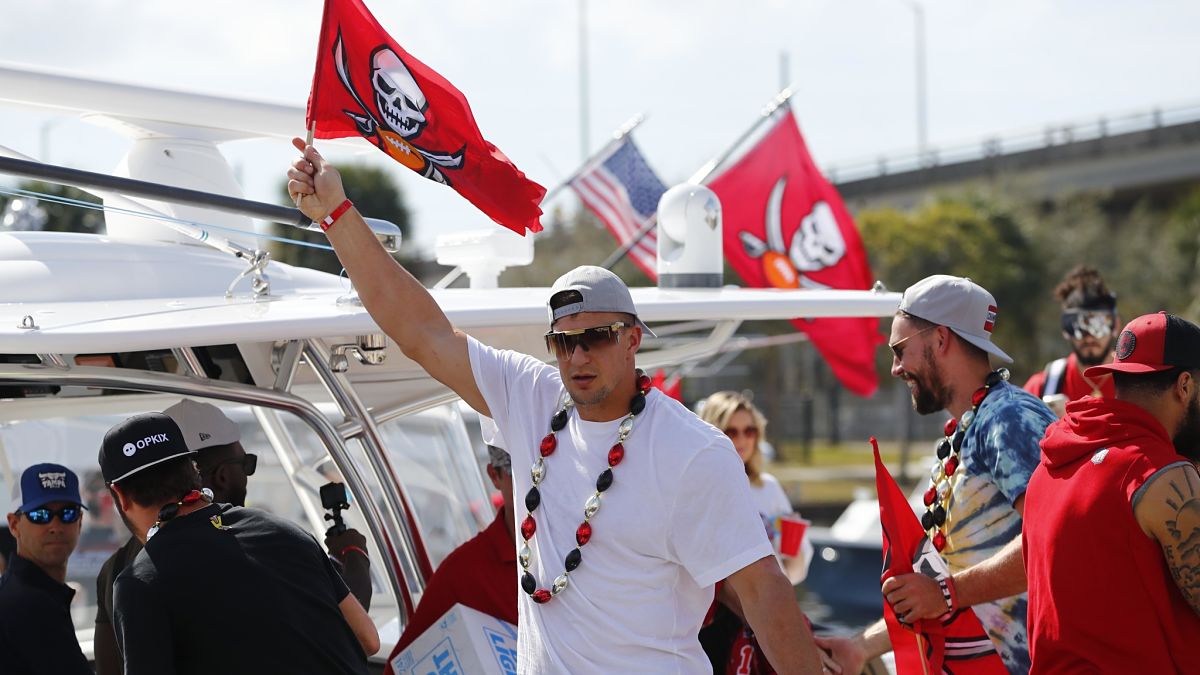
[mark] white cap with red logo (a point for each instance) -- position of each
(959, 304)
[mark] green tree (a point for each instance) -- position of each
(567, 242)
(970, 236)
(63, 217)
(376, 195)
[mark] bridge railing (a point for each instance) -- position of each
(1023, 141)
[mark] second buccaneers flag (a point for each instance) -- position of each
(366, 85)
(786, 227)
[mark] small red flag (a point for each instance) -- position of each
(958, 638)
(366, 85)
(786, 227)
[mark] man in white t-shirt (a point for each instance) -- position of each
(621, 546)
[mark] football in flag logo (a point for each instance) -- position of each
(990, 322)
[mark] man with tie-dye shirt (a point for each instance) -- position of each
(941, 343)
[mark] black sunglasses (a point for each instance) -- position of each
(43, 516)
(249, 463)
(562, 343)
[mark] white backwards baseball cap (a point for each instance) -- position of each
(203, 424)
(588, 288)
(959, 304)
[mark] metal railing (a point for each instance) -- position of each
(1021, 141)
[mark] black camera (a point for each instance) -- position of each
(335, 499)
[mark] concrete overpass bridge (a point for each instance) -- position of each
(1152, 151)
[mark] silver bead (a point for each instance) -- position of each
(935, 471)
(967, 418)
(559, 584)
(592, 506)
(625, 428)
(525, 555)
(943, 490)
(538, 472)
(1004, 374)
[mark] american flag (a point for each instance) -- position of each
(623, 191)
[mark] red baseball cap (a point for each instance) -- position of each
(1153, 343)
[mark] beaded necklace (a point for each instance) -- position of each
(169, 511)
(937, 497)
(533, 498)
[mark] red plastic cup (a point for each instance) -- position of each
(791, 534)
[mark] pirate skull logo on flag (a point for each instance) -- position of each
(399, 114)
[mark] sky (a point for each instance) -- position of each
(701, 71)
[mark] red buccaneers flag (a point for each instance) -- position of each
(366, 85)
(786, 227)
(955, 643)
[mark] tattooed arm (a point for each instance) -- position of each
(1168, 509)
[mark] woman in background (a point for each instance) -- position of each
(727, 638)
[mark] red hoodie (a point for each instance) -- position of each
(1101, 598)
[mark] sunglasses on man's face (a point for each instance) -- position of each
(562, 343)
(1097, 323)
(43, 516)
(249, 463)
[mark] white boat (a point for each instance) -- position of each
(95, 328)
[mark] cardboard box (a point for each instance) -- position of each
(462, 642)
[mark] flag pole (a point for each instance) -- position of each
(617, 136)
(706, 170)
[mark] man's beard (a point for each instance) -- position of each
(930, 394)
(1187, 439)
(1100, 357)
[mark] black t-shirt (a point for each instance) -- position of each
(37, 636)
(227, 589)
(118, 561)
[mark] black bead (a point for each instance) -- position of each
(939, 516)
(957, 440)
(533, 499)
(926, 521)
(528, 583)
(604, 481)
(573, 559)
(638, 404)
(559, 420)
(993, 379)
(943, 448)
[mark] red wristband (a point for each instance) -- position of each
(337, 213)
(342, 553)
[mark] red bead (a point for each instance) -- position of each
(977, 397)
(549, 443)
(583, 533)
(951, 466)
(616, 454)
(643, 383)
(528, 527)
(939, 541)
(541, 596)
(951, 425)
(930, 495)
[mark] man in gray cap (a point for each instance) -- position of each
(632, 508)
(941, 344)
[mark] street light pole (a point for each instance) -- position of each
(919, 49)
(584, 146)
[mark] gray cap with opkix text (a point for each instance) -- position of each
(588, 288)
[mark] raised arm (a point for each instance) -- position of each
(1169, 511)
(401, 306)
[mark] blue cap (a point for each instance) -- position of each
(42, 484)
